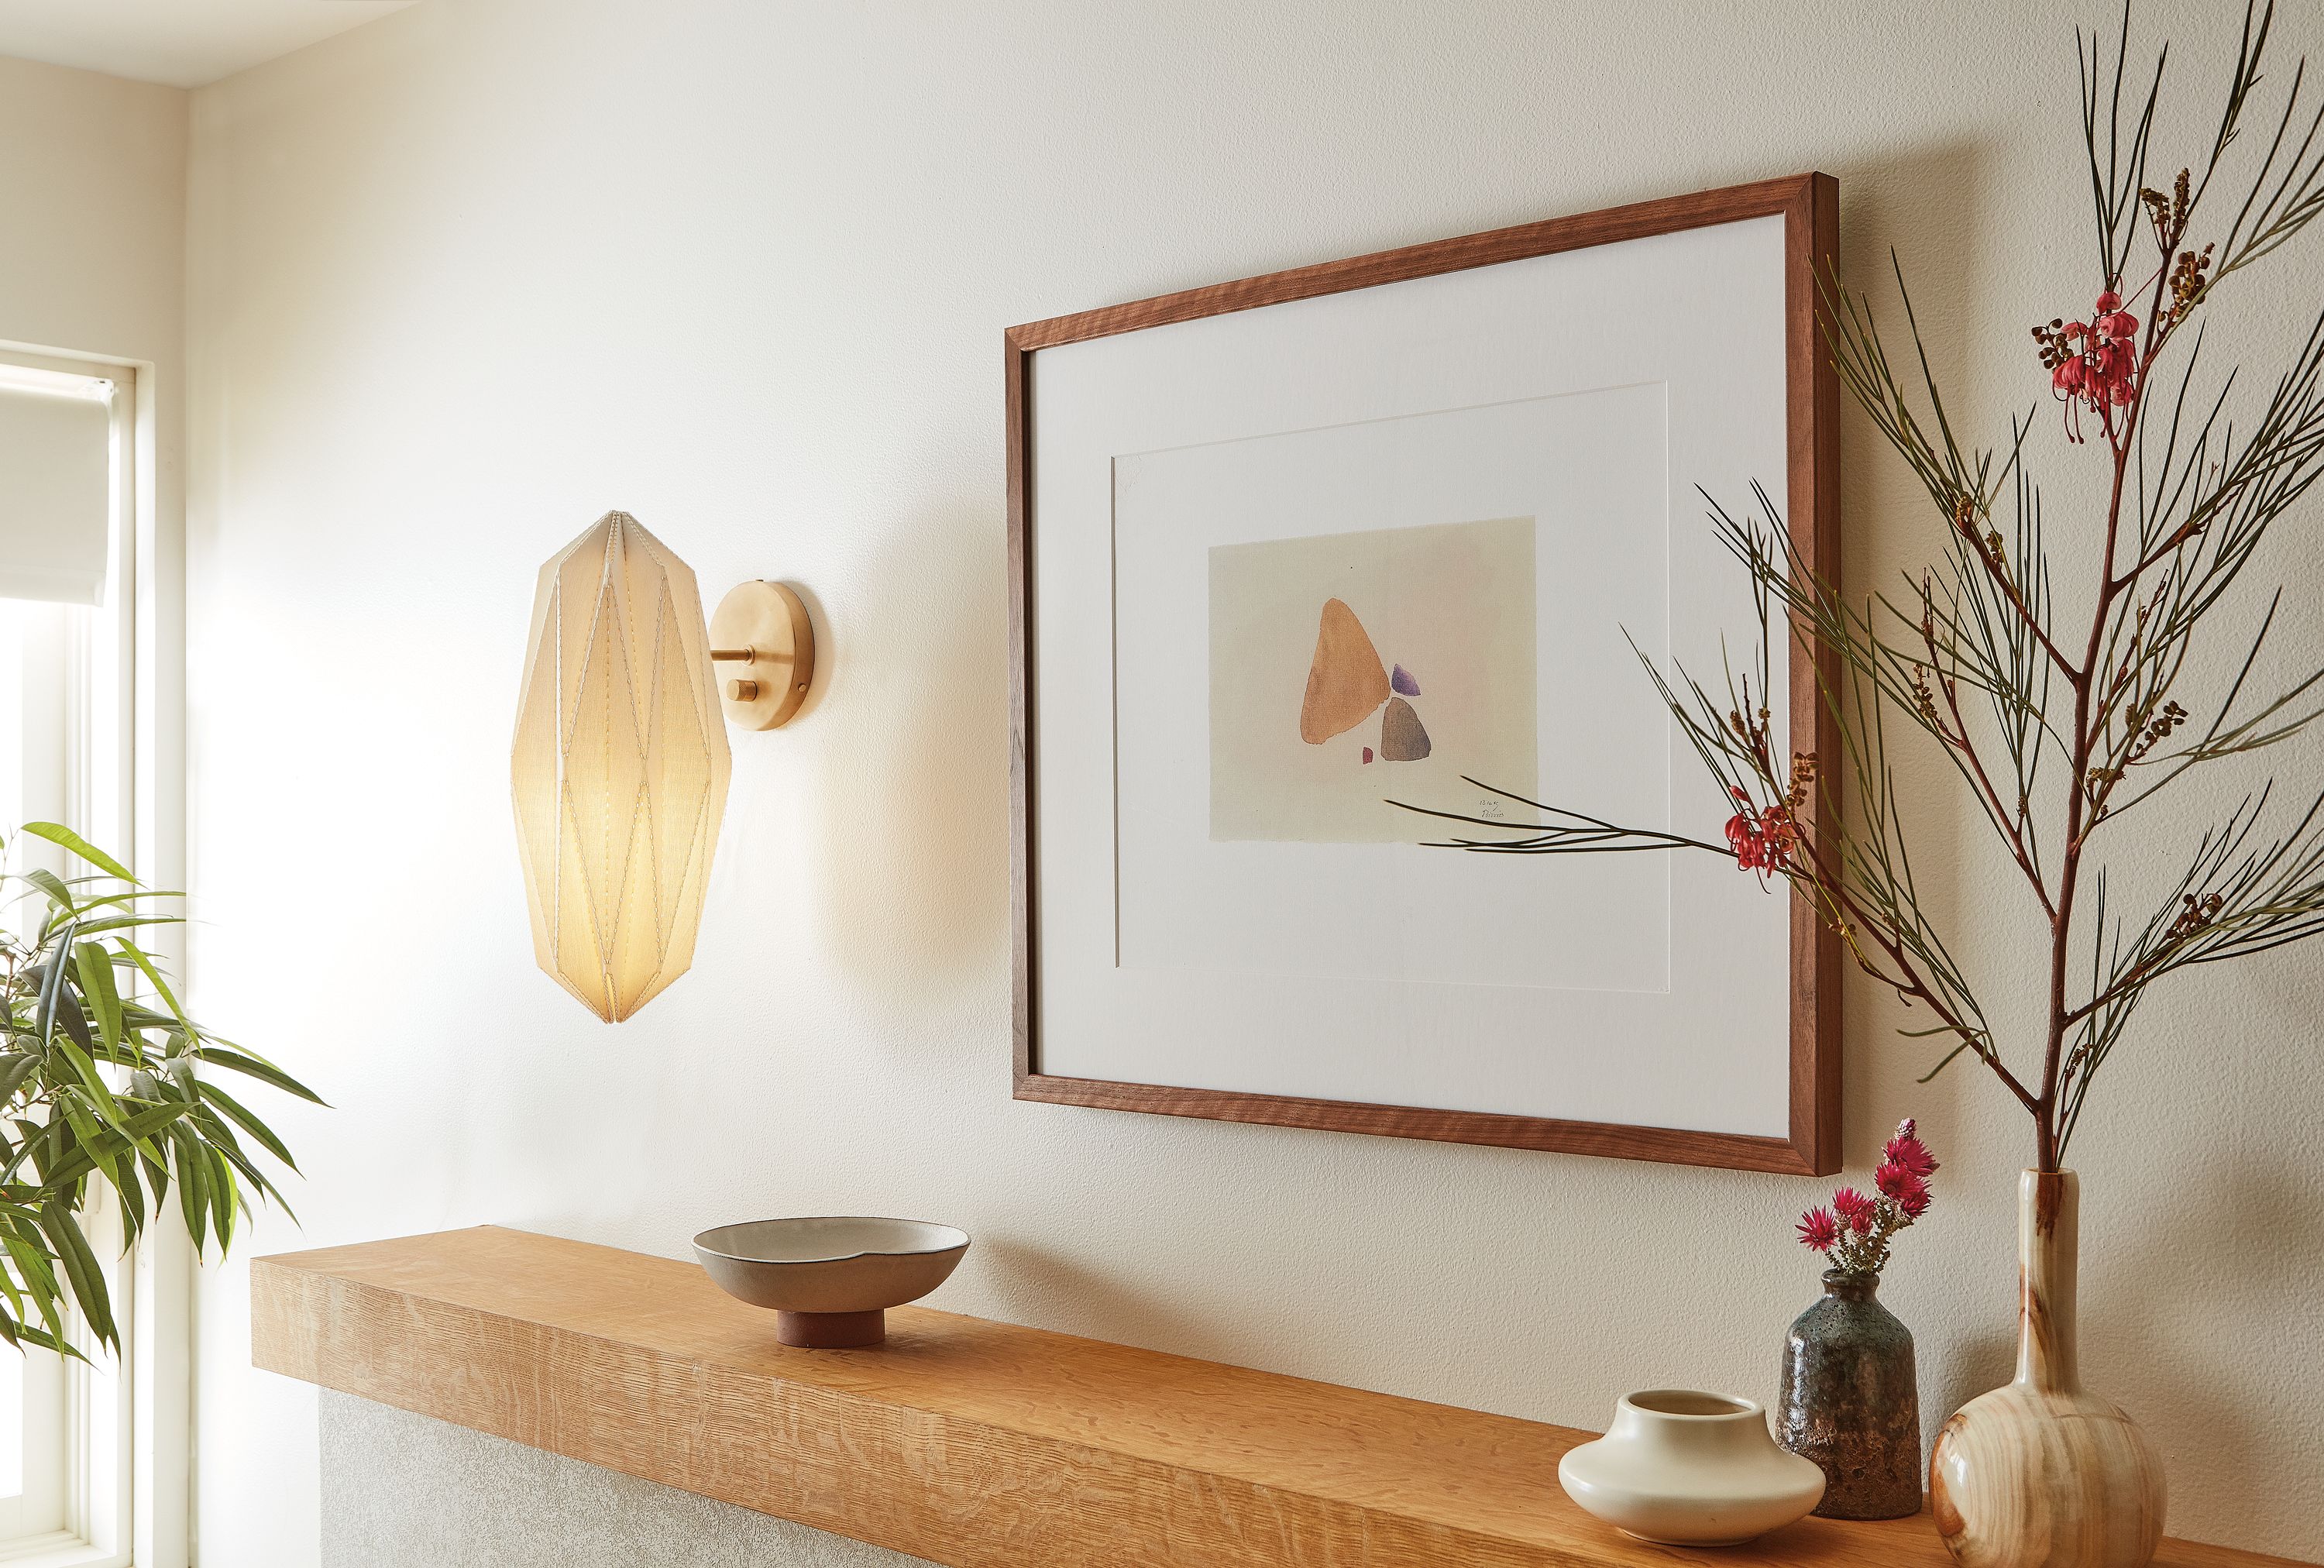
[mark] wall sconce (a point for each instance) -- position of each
(620, 765)
(764, 629)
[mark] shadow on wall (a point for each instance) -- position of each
(1922, 202)
(911, 863)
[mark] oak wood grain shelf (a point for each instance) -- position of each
(974, 1444)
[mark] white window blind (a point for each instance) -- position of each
(55, 472)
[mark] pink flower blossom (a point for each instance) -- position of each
(1761, 841)
(1907, 1150)
(2093, 364)
(1856, 1230)
(1908, 1192)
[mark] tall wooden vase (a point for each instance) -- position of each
(2043, 1473)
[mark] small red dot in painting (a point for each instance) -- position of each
(1368, 753)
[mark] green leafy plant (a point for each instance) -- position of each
(103, 1075)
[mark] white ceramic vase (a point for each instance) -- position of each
(1688, 1468)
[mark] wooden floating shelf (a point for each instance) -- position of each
(974, 1444)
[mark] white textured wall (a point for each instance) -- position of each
(93, 205)
(465, 278)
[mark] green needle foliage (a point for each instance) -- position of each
(2059, 713)
(104, 1075)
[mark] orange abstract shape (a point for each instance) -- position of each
(1345, 682)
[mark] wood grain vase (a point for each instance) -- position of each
(2043, 1473)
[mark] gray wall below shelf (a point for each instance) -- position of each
(400, 1491)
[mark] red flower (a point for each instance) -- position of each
(1908, 1151)
(1819, 1229)
(2093, 364)
(1762, 842)
(1908, 1192)
(1854, 1208)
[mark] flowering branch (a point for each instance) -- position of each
(1856, 1231)
(1974, 653)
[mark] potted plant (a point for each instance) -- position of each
(2066, 689)
(107, 1093)
(1848, 1398)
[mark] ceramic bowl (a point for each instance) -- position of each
(1684, 1468)
(830, 1279)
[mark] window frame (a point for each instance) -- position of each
(129, 1422)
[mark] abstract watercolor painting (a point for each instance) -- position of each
(1348, 668)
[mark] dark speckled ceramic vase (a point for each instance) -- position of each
(1848, 1401)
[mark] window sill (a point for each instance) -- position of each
(57, 1549)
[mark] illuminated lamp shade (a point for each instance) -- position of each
(619, 767)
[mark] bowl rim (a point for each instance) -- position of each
(1739, 1408)
(703, 1244)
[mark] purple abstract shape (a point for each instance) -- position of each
(1401, 679)
(1368, 753)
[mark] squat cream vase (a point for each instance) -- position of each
(2043, 1474)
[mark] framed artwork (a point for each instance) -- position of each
(1291, 555)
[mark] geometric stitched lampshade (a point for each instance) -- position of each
(619, 767)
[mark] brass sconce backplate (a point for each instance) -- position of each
(763, 646)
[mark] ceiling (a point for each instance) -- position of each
(186, 43)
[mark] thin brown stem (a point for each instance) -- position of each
(1809, 860)
(1957, 735)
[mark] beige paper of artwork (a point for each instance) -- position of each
(1350, 668)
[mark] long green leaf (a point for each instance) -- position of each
(72, 1019)
(255, 1067)
(21, 1237)
(194, 1197)
(99, 1092)
(131, 1199)
(53, 985)
(225, 1212)
(59, 895)
(65, 837)
(92, 1143)
(135, 1135)
(125, 923)
(82, 1269)
(26, 1334)
(248, 1123)
(145, 962)
(96, 971)
(14, 1070)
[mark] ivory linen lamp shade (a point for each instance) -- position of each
(619, 767)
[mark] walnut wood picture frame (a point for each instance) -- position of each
(1803, 1134)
